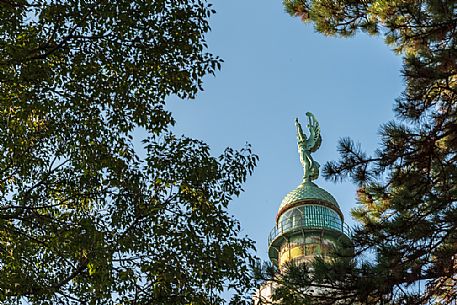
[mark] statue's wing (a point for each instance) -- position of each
(315, 139)
(316, 142)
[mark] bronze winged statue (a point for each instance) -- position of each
(306, 146)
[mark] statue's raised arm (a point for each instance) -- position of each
(301, 137)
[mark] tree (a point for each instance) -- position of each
(99, 202)
(408, 196)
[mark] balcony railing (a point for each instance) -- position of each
(317, 222)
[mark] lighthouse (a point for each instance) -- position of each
(309, 222)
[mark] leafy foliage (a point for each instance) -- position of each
(408, 195)
(90, 212)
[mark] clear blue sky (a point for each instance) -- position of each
(277, 68)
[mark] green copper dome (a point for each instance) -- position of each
(307, 191)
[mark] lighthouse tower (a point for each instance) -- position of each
(309, 222)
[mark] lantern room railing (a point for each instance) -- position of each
(318, 222)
